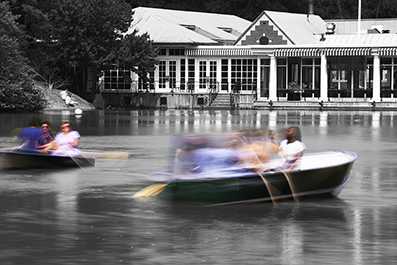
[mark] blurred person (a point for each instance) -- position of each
(255, 152)
(291, 149)
(31, 135)
(184, 154)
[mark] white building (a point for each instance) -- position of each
(276, 58)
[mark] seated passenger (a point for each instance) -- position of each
(184, 154)
(45, 141)
(255, 153)
(66, 142)
(291, 149)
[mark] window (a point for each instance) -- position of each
(178, 52)
(202, 74)
(311, 77)
(172, 74)
(244, 73)
(265, 77)
(191, 69)
(117, 79)
(162, 74)
(281, 74)
(213, 70)
(224, 74)
(163, 52)
(183, 74)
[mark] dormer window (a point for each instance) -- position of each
(228, 30)
(191, 27)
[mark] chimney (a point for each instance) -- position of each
(311, 7)
(310, 11)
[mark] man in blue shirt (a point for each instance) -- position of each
(31, 134)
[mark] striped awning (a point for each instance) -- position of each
(297, 52)
(388, 51)
(315, 52)
(347, 51)
(218, 52)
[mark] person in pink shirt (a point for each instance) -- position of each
(66, 142)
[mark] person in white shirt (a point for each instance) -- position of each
(291, 149)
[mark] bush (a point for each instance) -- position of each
(99, 102)
(22, 96)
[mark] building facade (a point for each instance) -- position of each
(219, 60)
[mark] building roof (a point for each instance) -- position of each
(356, 40)
(185, 27)
(292, 28)
(350, 26)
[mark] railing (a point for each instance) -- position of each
(170, 86)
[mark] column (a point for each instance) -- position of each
(376, 78)
(229, 75)
(323, 78)
(258, 78)
(273, 79)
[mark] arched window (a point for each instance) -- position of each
(264, 40)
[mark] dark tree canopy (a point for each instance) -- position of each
(137, 53)
(17, 92)
(70, 36)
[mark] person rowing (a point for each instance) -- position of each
(31, 135)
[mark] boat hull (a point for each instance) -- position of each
(252, 187)
(25, 160)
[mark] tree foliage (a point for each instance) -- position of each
(137, 53)
(73, 35)
(17, 92)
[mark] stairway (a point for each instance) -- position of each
(221, 101)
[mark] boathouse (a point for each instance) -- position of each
(217, 60)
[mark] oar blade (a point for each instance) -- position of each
(106, 155)
(150, 191)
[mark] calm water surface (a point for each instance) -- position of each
(87, 216)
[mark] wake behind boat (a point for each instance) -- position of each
(20, 159)
(320, 174)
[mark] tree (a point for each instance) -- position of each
(17, 92)
(66, 37)
(85, 34)
(137, 53)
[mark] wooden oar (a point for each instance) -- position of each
(291, 185)
(269, 189)
(9, 148)
(105, 155)
(63, 150)
(274, 192)
(150, 191)
(74, 159)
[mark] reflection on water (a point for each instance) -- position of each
(87, 216)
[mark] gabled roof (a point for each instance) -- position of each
(284, 28)
(186, 27)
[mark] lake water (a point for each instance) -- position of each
(87, 216)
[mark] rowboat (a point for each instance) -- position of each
(320, 174)
(19, 159)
